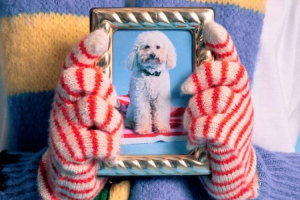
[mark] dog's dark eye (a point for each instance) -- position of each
(147, 47)
(157, 47)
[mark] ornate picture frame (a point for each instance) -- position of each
(137, 21)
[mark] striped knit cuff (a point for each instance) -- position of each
(279, 175)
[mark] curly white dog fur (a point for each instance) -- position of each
(152, 56)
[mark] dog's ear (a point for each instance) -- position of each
(171, 55)
(131, 61)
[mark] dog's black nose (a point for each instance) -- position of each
(152, 56)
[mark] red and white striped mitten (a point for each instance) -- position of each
(84, 126)
(220, 116)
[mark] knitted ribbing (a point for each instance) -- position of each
(22, 182)
(279, 175)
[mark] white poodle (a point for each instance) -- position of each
(152, 55)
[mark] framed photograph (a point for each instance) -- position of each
(151, 53)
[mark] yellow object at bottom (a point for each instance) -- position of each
(120, 191)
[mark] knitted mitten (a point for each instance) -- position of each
(220, 116)
(84, 126)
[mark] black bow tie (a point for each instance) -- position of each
(156, 73)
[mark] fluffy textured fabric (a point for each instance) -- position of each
(279, 175)
(35, 37)
(84, 126)
(150, 60)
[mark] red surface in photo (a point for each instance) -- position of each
(177, 132)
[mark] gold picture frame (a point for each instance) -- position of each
(188, 19)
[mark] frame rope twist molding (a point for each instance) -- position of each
(158, 165)
(153, 18)
(189, 19)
